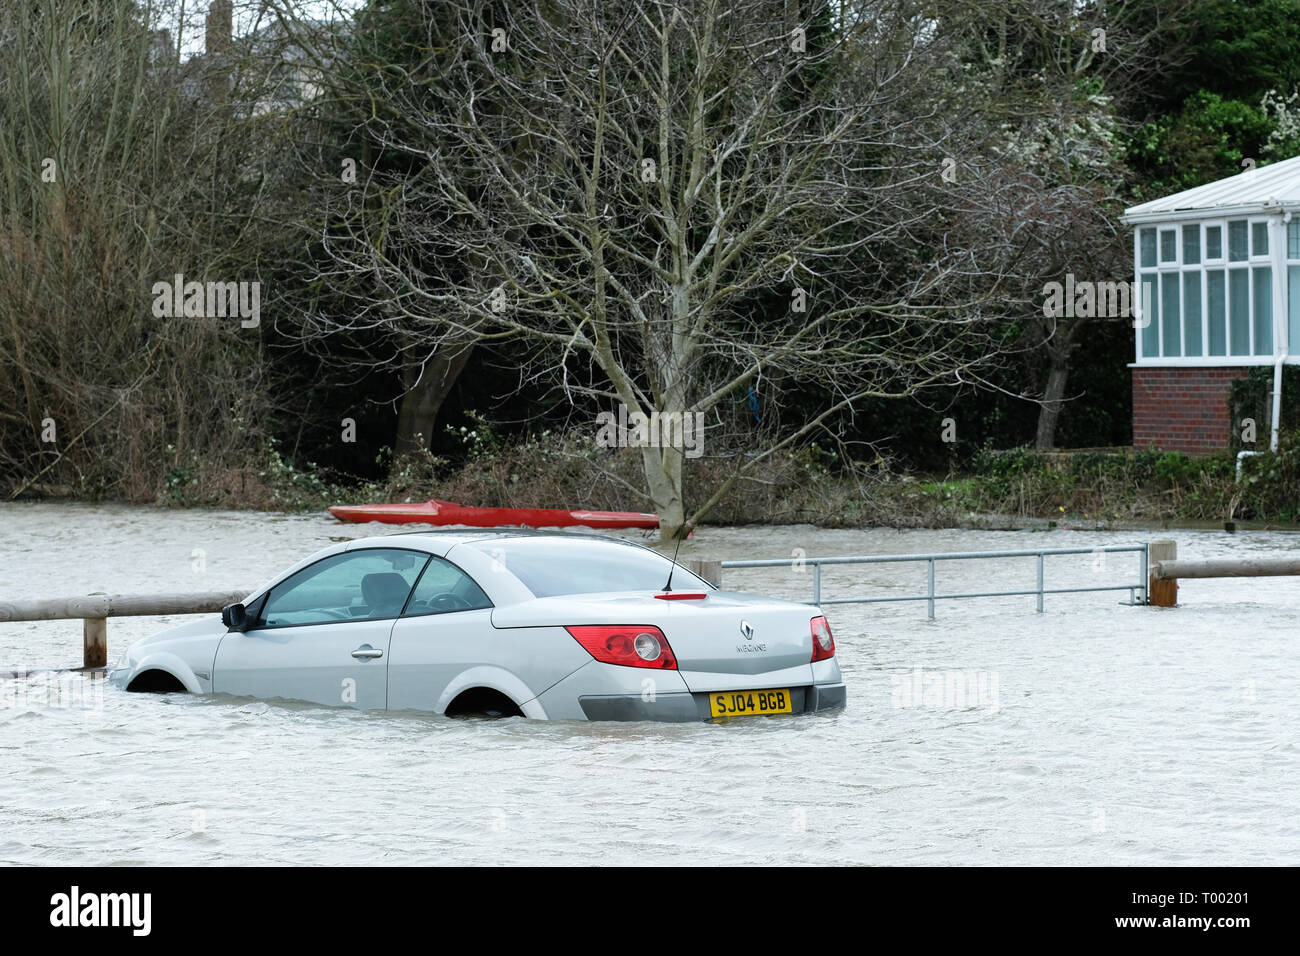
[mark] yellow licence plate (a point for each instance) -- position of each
(749, 703)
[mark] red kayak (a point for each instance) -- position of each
(447, 512)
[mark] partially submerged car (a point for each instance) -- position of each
(543, 625)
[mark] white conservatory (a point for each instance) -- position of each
(1218, 267)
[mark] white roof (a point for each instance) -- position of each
(1266, 189)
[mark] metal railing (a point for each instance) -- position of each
(930, 595)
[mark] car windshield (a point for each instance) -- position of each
(550, 567)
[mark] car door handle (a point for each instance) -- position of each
(365, 652)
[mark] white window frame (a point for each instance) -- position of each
(1276, 259)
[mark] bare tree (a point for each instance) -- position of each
(123, 163)
(1031, 232)
(683, 198)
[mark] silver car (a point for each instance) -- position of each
(543, 625)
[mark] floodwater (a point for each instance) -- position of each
(1092, 733)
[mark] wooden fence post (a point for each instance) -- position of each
(1162, 592)
(707, 569)
(95, 637)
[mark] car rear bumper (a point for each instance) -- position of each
(826, 697)
(683, 707)
(674, 708)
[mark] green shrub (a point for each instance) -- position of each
(1175, 467)
(1270, 482)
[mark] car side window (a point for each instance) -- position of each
(444, 587)
(356, 585)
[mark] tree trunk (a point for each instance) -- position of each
(425, 393)
(1049, 413)
(663, 470)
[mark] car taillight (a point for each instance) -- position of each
(630, 645)
(823, 642)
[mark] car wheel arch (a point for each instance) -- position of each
(482, 702)
(156, 680)
(168, 664)
(494, 679)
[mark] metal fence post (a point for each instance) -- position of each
(817, 583)
(1143, 571)
(930, 589)
(1040, 582)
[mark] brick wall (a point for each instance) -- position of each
(1183, 409)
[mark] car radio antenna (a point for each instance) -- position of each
(687, 527)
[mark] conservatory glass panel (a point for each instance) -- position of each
(1259, 238)
(1263, 279)
(1293, 239)
(1192, 313)
(1151, 307)
(1191, 244)
(1237, 240)
(1293, 313)
(1170, 341)
(1239, 311)
(1215, 312)
(1213, 242)
(1147, 242)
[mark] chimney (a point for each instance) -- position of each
(218, 27)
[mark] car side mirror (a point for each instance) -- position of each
(235, 617)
